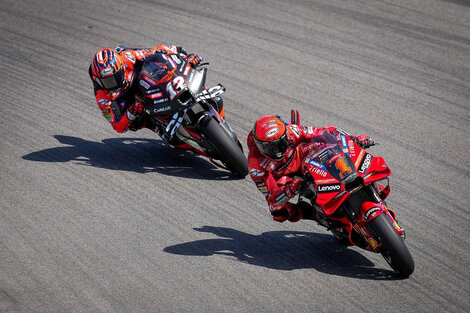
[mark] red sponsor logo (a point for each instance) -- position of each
(155, 95)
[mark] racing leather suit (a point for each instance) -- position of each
(274, 178)
(114, 105)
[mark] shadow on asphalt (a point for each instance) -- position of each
(286, 250)
(132, 154)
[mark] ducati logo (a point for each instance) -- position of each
(272, 132)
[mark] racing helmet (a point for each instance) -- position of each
(108, 70)
(270, 136)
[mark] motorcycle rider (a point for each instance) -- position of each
(114, 74)
(274, 159)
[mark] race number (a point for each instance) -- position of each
(176, 86)
(343, 168)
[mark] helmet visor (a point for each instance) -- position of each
(113, 82)
(274, 149)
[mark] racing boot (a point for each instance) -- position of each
(308, 212)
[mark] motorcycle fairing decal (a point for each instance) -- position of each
(212, 92)
(326, 181)
(186, 70)
(329, 188)
(315, 163)
(183, 67)
(175, 122)
(371, 213)
(340, 131)
(170, 60)
(359, 158)
(365, 163)
(155, 95)
(176, 59)
(344, 144)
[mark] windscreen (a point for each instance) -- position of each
(158, 67)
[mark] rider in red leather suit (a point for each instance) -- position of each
(276, 150)
(113, 73)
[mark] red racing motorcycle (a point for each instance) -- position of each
(348, 186)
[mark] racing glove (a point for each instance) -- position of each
(287, 212)
(364, 141)
(294, 187)
(194, 59)
(135, 110)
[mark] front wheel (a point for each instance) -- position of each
(393, 247)
(227, 148)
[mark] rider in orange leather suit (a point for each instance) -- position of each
(113, 73)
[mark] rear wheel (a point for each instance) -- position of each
(393, 247)
(227, 148)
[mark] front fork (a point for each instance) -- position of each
(366, 212)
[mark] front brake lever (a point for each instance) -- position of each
(202, 64)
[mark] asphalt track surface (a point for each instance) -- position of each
(95, 221)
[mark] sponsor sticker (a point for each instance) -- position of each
(130, 57)
(315, 163)
(160, 100)
(144, 84)
(344, 144)
(176, 59)
(365, 163)
(186, 70)
(155, 95)
(157, 110)
(339, 130)
(104, 102)
(170, 60)
(371, 213)
(329, 188)
(351, 149)
(256, 173)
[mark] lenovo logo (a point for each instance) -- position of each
(329, 188)
(365, 164)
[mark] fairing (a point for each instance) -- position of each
(336, 164)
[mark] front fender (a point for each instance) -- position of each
(369, 211)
